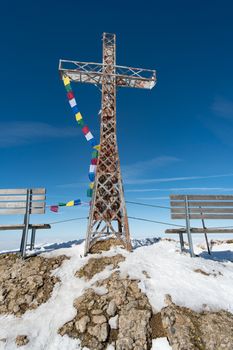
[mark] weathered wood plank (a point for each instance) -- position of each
(16, 191)
(19, 227)
(35, 197)
(202, 210)
(21, 211)
(199, 230)
(202, 204)
(201, 197)
(15, 205)
(204, 216)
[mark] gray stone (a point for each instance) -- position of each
(99, 319)
(81, 324)
(112, 308)
(21, 340)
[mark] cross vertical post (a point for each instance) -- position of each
(108, 216)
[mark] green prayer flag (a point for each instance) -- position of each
(62, 204)
(68, 88)
(94, 154)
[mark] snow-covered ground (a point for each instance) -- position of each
(170, 273)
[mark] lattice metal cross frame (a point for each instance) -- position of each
(108, 215)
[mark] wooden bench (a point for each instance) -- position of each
(201, 207)
(26, 202)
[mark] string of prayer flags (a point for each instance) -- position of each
(87, 133)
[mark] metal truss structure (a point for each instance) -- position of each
(108, 216)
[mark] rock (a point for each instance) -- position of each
(112, 308)
(25, 284)
(96, 312)
(99, 319)
(81, 324)
(113, 322)
(21, 340)
(190, 330)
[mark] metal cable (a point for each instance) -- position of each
(58, 222)
(157, 222)
(148, 205)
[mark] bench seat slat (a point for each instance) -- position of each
(22, 191)
(204, 216)
(201, 204)
(199, 230)
(35, 197)
(15, 205)
(21, 211)
(200, 197)
(21, 226)
(203, 210)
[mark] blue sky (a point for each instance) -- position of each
(174, 138)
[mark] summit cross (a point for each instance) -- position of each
(108, 216)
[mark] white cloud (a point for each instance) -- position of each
(140, 168)
(223, 108)
(171, 179)
(21, 132)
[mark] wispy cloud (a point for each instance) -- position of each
(172, 179)
(140, 168)
(153, 198)
(223, 108)
(21, 132)
(138, 190)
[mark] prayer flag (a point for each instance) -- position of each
(94, 161)
(70, 204)
(62, 204)
(97, 147)
(92, 168)
(78, 116)
(72, 102)
(91, 176)
(94, 154)
(85, 130)
(93, 142)
(89, 192)
(66, 80)
(92, 185)
(68, 87)
(70, 95)
(77, 202)
(89, 136)
(81, 122)
(75, 109)
(54, 208)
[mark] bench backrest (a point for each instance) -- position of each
(22, 201)
(201, 206)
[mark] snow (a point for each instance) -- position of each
(170, 272)
(161, 344)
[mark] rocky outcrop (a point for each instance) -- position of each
(21, 340)
(95, 266)
(189, 330)
(25, 284)
(120, 317)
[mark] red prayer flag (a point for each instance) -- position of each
(85, 130)
(94, 161)
(54, 208)
(70, 95)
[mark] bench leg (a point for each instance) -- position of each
(33, 237)
(188, 228)
(207, 244)
(181, 242)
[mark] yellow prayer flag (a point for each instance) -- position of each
(97, 147)
(78, 116)
(66, 80)
(91, 185)
(70, 204)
